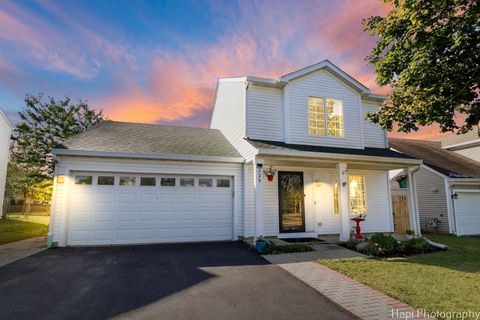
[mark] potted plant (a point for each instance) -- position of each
(261, 244)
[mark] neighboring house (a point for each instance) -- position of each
(447, 187)
(5, 134)
(467, 144)
(138, 183)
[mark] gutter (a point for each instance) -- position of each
(153, 156)
(338, 156)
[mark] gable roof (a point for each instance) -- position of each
(135, 140)
(325, 64)
(447, 162)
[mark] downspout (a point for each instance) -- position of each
(413, 187)
(245, 200)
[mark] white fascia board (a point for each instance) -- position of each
(463, 145)
(373, 97)
(424, 166)
(471, 181)
(183, 157)
(332, 67)
(337, 156)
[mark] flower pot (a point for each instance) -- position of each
(270, 177)
(261, 246)
(403, 183)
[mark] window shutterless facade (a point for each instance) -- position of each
(325, 117)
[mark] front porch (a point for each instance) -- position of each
(314, 197)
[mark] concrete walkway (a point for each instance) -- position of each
(11, 252)
(359, 299)
(322, 251)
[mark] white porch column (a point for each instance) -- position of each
(343, 201)
(414, 218)
(258, 198)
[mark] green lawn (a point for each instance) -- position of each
(442, 281)
(14, 230)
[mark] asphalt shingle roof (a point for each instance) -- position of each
(444, 161)
(113, 136)
(374, 152)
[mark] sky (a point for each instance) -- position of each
(158, 61)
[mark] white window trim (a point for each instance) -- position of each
(365, 194)
(325, 120)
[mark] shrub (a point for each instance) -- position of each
(351, 244)
(381, 245)
(414, 246)
(290, 248)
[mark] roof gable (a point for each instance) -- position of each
(326, 64)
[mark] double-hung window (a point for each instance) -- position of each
(325, 117)
(356, 195)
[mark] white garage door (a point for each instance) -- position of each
(467, 213)
(130, 208)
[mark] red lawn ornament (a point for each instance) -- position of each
(358, 235)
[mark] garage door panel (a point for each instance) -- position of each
(105, 235)
(105, 198)
(148, 214)
(167, 198)
(124, 234)
(467, 213)
(145, 199)
(128, 198)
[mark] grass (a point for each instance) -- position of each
(444, 281)
(31, 218)
(14, 230)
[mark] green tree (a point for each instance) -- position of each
(44, 125)
(429, 53)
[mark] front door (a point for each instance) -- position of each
(291, 202)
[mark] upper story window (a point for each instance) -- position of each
(325, 117)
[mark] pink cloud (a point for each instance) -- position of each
(182, 83)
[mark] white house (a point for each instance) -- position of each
(137, 183)
(467, 144)
(447, 187)
(5, 134)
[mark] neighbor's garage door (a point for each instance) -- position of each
(128, 208)
(467, 213)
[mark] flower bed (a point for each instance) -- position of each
(381, 245)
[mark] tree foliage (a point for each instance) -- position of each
(43, 126)
(429, 53)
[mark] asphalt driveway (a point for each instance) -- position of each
(222, 280)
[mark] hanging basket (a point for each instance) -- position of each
(403, 183)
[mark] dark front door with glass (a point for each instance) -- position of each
(291, 201)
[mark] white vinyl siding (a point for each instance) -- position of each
(5, 133)
(472, 153)
(322, 84)
(229, 115)
(265, 113)
(431, 197)
(373, 136)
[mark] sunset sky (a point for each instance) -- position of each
(158, 61)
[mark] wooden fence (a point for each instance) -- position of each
(35, 210)
(400, 214)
